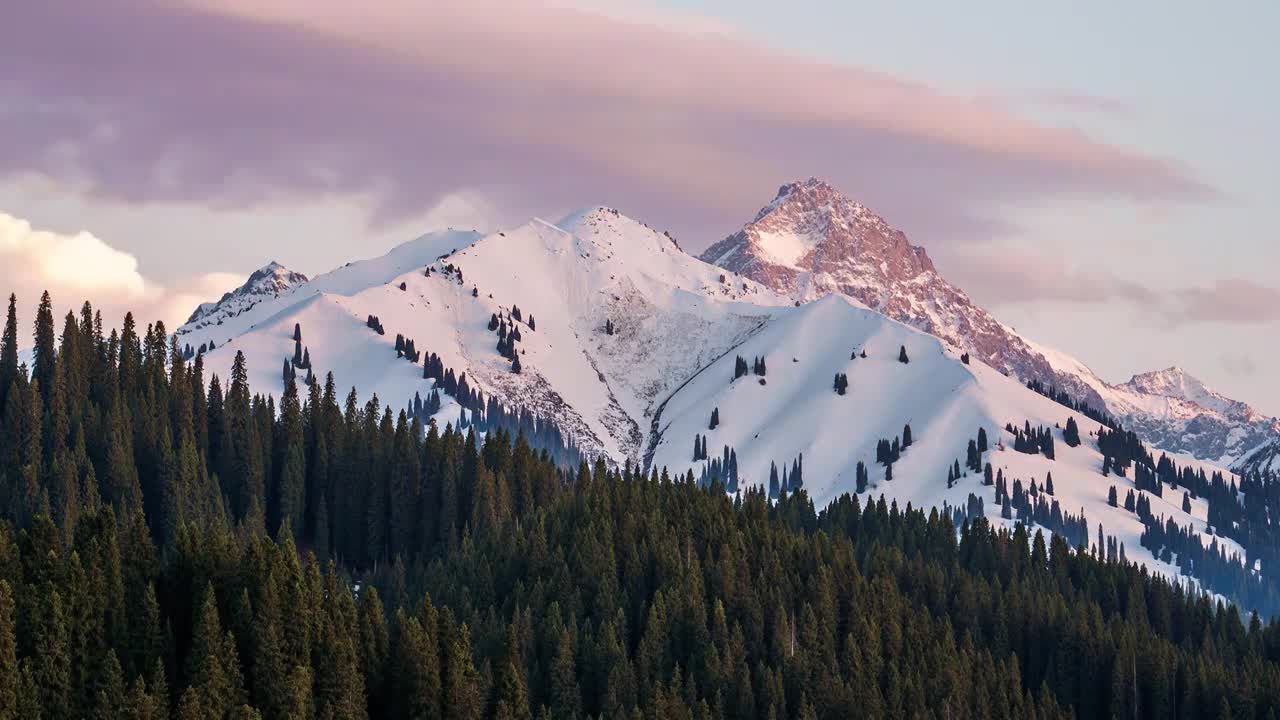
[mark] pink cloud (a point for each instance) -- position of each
(540, 107)
(1003, 275)
(1227, 300)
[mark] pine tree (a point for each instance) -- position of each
(715, 418)
(511, 697)
(462, 698)
(902, 355)
(566, 698)
(213, 668)
(290, 485)
(43, 352)
(9, 350)
(1071, 433)
(9, 675)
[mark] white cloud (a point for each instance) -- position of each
(80, 266)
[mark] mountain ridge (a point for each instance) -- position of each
(811, 240)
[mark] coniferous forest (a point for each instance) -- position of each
(175, 545)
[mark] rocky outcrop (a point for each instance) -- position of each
(812, 240)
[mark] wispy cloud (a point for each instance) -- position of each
(1002, 275)
(1005, 276)
(535, 106)
(1226, 301)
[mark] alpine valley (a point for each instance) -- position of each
(814, 348)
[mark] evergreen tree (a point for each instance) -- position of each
(9, 350)
(1071, 434)
(44, 358)
(9, 674)
(902, 355)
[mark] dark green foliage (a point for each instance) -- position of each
(1071, 433)
(516, 589)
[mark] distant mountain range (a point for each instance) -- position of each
(811, 241)
(728, 366)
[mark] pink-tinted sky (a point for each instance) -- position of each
(212, 135)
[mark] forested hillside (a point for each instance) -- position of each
(177, 546)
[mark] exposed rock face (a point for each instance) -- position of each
(1178, 412)
(811, 240)
(267, 282)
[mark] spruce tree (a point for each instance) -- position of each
(9, 350)
(290, 483)
(902, 355)
(9, 675)
(44, 359)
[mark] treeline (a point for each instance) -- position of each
(479, 580)
(1247, 512)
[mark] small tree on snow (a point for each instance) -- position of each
(902, 355)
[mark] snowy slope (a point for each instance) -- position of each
(811, 240)
(643, 391)
(672, 315)
(945, 401)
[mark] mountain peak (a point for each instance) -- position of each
(810, 184)
(1173, 382)
(812, 230)
(269, 281)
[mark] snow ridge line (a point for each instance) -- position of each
(655, 434)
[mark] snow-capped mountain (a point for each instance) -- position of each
(631, 345)
(266, 283)
(595, 269)
(812, 240)
(1175, 410)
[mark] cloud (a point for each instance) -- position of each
(1068, 101)
(1007, 276)
(538, 107)
(80, 266)
(1227, 301)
